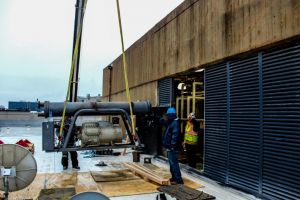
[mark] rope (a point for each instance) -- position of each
(125, 69)
(74, 58)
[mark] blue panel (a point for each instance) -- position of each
(165, 92)
(244, 129)
(23, 106)
(252, 115)
(215, 159)
(281, 123)
(18, 105)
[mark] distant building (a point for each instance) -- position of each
(23, 106)
(89, 98)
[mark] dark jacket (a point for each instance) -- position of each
(171, 135)
(196, 125)
(67, 124)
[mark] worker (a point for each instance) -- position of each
(73, 154)
(171, 141)
(191, 139)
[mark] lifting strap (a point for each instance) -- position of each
(125, 70)
(74, 58)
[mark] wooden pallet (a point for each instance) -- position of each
(146, 173)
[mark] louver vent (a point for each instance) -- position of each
(165, 92)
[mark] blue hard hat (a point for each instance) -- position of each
(171, 110)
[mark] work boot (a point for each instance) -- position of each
(65, 167)
(76, 167)
(161, 196)
(173, 183)
(176, 182)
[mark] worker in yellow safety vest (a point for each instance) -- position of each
(191, 139)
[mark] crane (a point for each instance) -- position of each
(78, 24)
(92, 135)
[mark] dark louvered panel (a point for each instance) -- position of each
(216, 122)
(281, 123)
(244, 138)
(165, 92)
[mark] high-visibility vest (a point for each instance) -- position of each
(190, 136)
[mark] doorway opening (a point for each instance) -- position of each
(188, 97)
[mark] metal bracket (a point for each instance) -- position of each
(7, 172)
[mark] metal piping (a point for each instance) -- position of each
(56, 108)
(194, 95)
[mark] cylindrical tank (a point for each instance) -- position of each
(56, 108)
(99, 133)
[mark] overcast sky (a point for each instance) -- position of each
(36, 43)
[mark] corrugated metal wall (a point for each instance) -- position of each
(252, 113)
(281, 123)
(216, 122)
(244, 137)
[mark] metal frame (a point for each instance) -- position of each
(116, 111)
(189, 104)
(194, 94)
(182, 99)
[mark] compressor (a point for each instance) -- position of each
(91, 135)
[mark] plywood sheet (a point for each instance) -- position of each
(125, 188)
(57, 194)
(81, 181)
(116, 175)
(139, 186)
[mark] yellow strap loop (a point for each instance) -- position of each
(125, 69)
(75, 55)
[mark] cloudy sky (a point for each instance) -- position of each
(36, 43)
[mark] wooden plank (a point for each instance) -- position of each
(147, 170)
(146, 173)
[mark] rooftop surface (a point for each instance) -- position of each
(50, 163)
